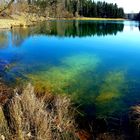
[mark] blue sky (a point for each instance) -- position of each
(128, 5)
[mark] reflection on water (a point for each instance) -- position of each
(3, 39)
(80, 29)
(18, 35)
(95, 62)
(61, 29)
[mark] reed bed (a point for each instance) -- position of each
(26, 117)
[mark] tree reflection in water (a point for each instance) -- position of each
(60, 29)
(80, 28)
(3, 39)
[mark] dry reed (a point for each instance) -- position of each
(28, 117)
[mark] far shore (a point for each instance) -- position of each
(88, 18)
(11, 23)
(23, 20)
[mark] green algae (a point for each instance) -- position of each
(77, 76)
(109, 99)
(111, 87)
(70, 77)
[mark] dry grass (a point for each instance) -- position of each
(135, 119)
(7, 23)
(20, 20)
(4, 130)
(136, 114)
(25, 20)
(28, 117)
(108, 136)
(88, 18)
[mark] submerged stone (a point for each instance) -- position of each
(4, 65)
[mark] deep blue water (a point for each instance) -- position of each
(96, 62)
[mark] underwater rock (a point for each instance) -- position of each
(4, 65)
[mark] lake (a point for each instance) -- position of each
(96, 63)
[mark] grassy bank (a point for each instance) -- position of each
(88, 18)
(9, 23)
(21, 20)
(25, 20)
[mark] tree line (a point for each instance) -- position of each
(75, 8)
(86, 8)
(138, 17)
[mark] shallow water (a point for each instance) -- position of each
(95, 62)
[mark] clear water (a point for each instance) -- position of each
(97, 63)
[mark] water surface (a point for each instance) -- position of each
(95, 62)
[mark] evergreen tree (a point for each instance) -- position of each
(138, 16)
(86, 8)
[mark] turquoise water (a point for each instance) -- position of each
(97, 63)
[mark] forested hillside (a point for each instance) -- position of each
(68, 8)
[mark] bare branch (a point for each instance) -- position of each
(7, 6)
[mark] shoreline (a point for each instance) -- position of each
(12, 23)
(23, 20)
(89, 18)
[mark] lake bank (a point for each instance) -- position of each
(9, 23)
(88, 18)
(23, 20)
(28, 20)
